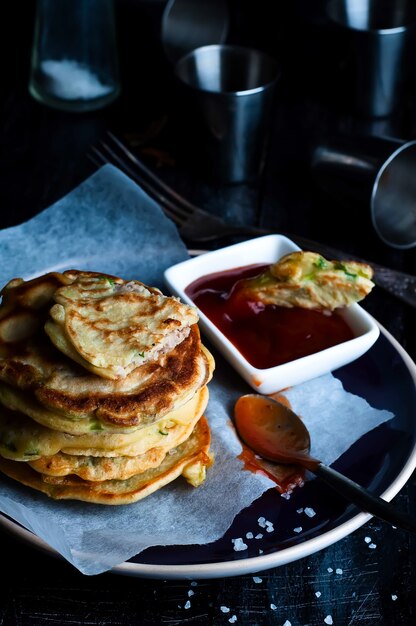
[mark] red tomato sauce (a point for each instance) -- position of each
(265, 335)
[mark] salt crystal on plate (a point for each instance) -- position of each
(233, 619)
(190, 593)
(372, 545)
(367, 539)
(225, 609)
(328, 620)
(287, 623)
(239, 544)
(249, 535)
(318, 594)
(187, 605)
(257, 579)
(329, 570)
(338, 570)
(259, 536)
(394, 597)
(309, 511)
(273, 607)
(298, 529)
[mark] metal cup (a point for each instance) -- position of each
(232, 89)
(381, 37)
(377, 173)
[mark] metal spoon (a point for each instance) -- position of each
(277, 434)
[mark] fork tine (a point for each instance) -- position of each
(181, 201)
(96, 158)
(172, 210)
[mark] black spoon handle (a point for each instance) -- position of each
(364, 499)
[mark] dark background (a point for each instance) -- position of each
(44, 156)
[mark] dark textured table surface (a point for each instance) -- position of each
(44, 157)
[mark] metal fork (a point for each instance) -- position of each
(197, 225)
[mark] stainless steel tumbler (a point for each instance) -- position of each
(379, 50)
(232, 89)
(377, 174)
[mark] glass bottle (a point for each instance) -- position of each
(74, 57)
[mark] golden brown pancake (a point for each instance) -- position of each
(22, 439)
(308, 280)
(111, 326)
(146, 394)
(106, 406)
(190, 459)
(97, 468)
(25, 305)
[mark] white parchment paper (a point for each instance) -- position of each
(109, 224)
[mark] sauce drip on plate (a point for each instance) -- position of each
(265, 335)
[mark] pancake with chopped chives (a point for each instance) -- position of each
(190, 460)
(22, 439)
(82, 416)
(80, 401)
(111, 326)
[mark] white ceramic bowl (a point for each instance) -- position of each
(268, 250)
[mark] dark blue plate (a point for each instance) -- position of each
(382, 461)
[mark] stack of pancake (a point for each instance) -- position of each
(103, 385)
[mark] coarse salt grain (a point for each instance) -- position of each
(269, 527)
(287, 623)
(298, 529)
(338, 570)
(187, 605)
(233, 619)
(69, 80)
(372, 545)
(299, 510)
(329, 570)
(318, 594)
(257, 579)
(194, 583)
(249, 535)
(262, 522)
(259, 536)
(190, 593)
(225, 609)
(273, 607)
(260, 551)
(285, 495)
(328, 620)
(394, 597)
(367, 539)
(310, 512)
(239, 544)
